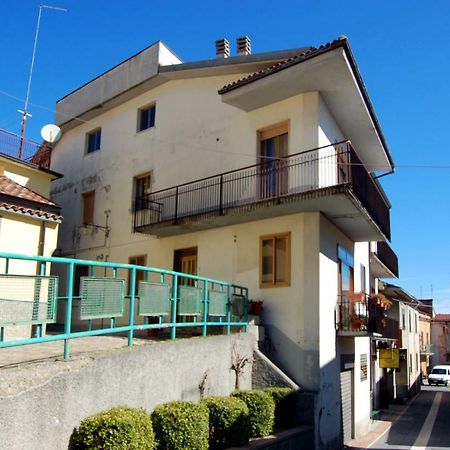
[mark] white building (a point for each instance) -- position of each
(254, 168)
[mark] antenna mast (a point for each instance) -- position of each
(25, 113)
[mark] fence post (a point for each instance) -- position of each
(173, 330)
(131, 309)
(228, 310)
(205, 307)
(68, 321)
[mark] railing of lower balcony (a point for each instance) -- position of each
(273, 181)
(111, 298)
(358, 313)
(387, 256)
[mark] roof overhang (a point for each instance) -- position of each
(331, 71)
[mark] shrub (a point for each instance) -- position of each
(181, 425)
(261, 411)
(115, 429)
(229, 423)
(284, 405)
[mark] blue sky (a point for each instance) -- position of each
(402, 49)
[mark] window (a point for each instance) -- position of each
(141, 189)
(363, 278)
(146, 117)
(275, 260)
(88, 207)
(93, 140)
(185, 260)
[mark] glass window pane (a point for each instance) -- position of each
(267, 261)
(281, 259)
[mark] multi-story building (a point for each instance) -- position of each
(29, 223)
(426, 314)
(407, 378)
(255, 168)
(440, 338)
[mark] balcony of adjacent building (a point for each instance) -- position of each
(329, 179)
(383, 260)
(359, 314)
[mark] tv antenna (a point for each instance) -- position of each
(25, 113)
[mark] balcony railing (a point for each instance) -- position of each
(387, 256)
(357, 313)
(321, 171)
(33, 152)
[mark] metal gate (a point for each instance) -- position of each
(346, 405)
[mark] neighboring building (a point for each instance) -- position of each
(259, 169)
(426, 314)
(29, 220)
(440, 338)
(406, 379)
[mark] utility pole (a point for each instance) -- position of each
(25, 113)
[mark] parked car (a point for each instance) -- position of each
(439, 375)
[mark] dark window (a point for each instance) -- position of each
(141, 191)
(140, 260)
(93, 141)
(147, 118)
(88, 207)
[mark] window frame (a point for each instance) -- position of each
(287, 262)
(136, 180)
(93, 132)
(141, 110)
(85, 196)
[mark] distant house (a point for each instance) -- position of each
(29, 220)
(255, 168)
(440, 338)
(426, 314)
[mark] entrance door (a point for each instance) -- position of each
(273, 145)
(346, 405)
(185, 261)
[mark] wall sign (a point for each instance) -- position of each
(363, 359)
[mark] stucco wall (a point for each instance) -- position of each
(44, 415)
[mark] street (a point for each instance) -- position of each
(423, 425)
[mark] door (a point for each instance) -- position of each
(346, 405)
(185, 261)
(273, 147)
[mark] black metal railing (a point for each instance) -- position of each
(353, 312)
(387, 256)
(10, 143)
(273, 181)
(381, 323)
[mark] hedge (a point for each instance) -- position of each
(284, 405)
(181, 425)
(115, 429)
(261, 411)
(229, 423)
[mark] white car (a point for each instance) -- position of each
(439, 375)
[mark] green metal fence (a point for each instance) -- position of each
(140, 298)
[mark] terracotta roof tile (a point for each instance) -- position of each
(13, 189)
(30, 211)
(312, 51)
(442, 318)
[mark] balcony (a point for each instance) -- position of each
(384, 261)
(329, 179)
(358, 314)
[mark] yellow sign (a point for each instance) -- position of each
(389, 358)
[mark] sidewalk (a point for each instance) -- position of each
(378, 427)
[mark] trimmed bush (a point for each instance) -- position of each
(284, 405)
(261, 411)
(229, 423)
(115, 429)
(181, 425)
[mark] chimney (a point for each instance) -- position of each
(244, 46)
(222, 48)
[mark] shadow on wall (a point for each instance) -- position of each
(319, 403)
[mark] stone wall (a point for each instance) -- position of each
(55, 396)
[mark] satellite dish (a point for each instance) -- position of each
(51, 133)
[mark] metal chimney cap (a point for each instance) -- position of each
(244, 46)
(222, 48)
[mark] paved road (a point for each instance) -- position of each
(423, 425)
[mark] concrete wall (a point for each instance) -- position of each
(44, 414)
